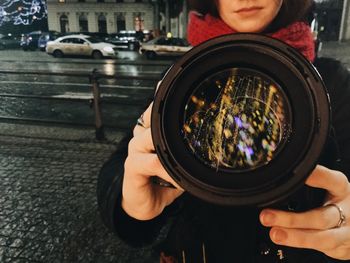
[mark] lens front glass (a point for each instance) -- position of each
(236, 119)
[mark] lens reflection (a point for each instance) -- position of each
(236, 118)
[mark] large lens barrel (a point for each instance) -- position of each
(240, 120)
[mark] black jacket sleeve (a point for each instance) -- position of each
(109, 184)
(337, 80)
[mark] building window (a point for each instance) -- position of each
(102, 24)
(138, 21)
(64, 24)
(121, 25)
(83, 23)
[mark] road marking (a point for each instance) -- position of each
(86, 96)
(75, 84)
(89, 62)
(112, 72)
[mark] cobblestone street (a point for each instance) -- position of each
(48, 208)
(338, 50)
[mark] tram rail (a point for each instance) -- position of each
(95, 101)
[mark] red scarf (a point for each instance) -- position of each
(297, 35)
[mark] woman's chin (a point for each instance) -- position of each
(250, 28)
(248, 25)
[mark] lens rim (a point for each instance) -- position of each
(310, 113)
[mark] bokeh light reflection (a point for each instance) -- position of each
(238, 119)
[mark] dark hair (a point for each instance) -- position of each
(291, 11)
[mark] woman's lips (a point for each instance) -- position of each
(248, 11)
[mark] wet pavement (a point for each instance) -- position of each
(338, 50)
(48, 209)
(42, 88)
(48, 174)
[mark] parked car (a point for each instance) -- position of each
(9, 42)
(163, 46)
(30, 41)
(148, 35)
(97, 35)
(80, 45)
(46, 37)
(126, 39)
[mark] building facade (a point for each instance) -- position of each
(334, 19)
(104, 16)
(345, 23)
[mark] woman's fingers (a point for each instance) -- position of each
(144, 199)
(321, 218)
(141, 159)
(321, 240)
(326, 229)
(335, 182)
(148, 164)
(145, 118)
(147, 115)
(141, 153)
(142, 142)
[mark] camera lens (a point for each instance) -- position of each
(236, 119)
(240, 120)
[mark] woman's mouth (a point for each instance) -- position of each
(248, 11)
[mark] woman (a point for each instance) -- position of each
(182, 228)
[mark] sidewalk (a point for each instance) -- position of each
(338, 50)
(48, 207)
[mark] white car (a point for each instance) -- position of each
(80, 45)
(163, 46)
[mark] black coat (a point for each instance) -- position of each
(191, 228)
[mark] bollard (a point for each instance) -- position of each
(99, 132)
